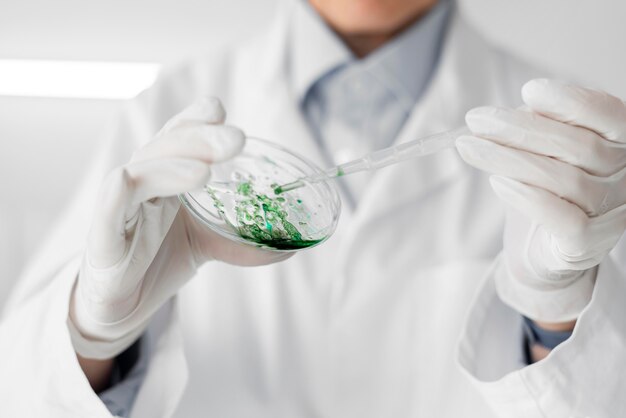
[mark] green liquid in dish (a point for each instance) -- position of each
(263, 220)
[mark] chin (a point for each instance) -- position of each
(370, 16)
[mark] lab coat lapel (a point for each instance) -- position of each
(458, 85)
(271, 109)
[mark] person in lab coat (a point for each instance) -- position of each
(416, 307)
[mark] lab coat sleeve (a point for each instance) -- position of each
(41, 376)
(39, 373)
(580, 378)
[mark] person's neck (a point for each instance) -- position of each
(363, 44)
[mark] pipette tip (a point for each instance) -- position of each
(288, 187)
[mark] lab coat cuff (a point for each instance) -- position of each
(38, 355)
(66, 385)
(565, 383)
(100, 349)
(166, 372)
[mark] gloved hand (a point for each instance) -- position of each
(141, 246)
(559, 165)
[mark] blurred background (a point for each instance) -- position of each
(45, 143)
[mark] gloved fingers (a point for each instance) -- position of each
(106, 242)
(206, 110)
(165, 177)
(176, 162)
(595, 195)
(558, 216)
(207, 244)
(593, 243)
(577, 241)
(231, 252)
(591, 109)
(541, 135)
(207, 143)
(125, 189)
(604, 232)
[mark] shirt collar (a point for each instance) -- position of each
(404, 64)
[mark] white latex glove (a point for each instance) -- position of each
(142, 247)
(559, 164)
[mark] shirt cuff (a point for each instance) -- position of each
(128, 375)
(545, 338)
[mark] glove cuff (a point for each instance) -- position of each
(97, 348)
(102, 327)
(537, 300)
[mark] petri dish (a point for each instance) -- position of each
(240, 204)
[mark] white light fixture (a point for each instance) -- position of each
(75, 79)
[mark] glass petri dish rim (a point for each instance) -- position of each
(185, 199)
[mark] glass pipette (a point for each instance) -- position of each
(382, 158)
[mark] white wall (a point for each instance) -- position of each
(45, 142)
(581, 39)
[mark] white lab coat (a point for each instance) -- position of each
(395, 316)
